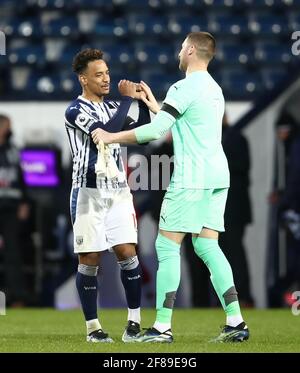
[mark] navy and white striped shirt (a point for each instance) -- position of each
(81, 117)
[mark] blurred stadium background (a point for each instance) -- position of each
(254, 65)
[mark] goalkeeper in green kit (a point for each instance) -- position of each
(195, 199)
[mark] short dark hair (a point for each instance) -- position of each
(204, 43)
(85, 56)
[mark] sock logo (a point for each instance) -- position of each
(134, 277)
(90, 288)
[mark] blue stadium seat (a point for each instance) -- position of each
(241, 83)
(42, 85)
(149, 26)
(22, 27)
(68, 53)
(271, 54)
(50, 4)
(68, 83)
(110, 28)
(27, 55)
(294, 21)
(271, 77)
(88, 4)
(154, 54)
(136, 5)
(236, 54)
(268, 25)
(181, 5)
(161, 83)
(118, 55)
(264, 4)
(228, 24)
(182, 25)
(61, 27)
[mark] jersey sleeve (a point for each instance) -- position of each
(179, 96)
(75, 117)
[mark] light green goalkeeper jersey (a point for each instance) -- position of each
(200, 162)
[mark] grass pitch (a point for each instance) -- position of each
(48, 330)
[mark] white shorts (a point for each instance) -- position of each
(102, 218)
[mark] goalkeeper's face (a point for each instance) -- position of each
(183, 56)
(96, 78)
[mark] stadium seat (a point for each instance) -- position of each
(268, 25)
(241, 83)
(27, 55)
(228, 24)
(160, 86)
(61, 27)
(182, 25)
(272, 77)
(236, 54)
(150, 26)
(118, 54)
(148, 55)
(109, 28)
(270, 54)
(21, 27)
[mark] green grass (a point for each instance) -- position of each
(47, 330)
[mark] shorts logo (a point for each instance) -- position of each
(79, 240)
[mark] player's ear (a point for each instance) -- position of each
(191, 49)
(82, 79)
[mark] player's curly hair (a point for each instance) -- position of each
(82, 59)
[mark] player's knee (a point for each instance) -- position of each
(124, 251)
(166, 248)
(129, 263)
(89, 259)
(204, 246)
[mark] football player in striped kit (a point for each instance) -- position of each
(102, 210)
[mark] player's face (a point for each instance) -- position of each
(183, 54)
(97, 78)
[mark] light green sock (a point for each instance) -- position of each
(167, 278)
(220, 273)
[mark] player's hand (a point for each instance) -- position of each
(99, 134)
(139, 93)
(149, 98)
(127, 88)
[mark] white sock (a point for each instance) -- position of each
(162, 326)
(92, 325)
(134, 314)
(234, 320)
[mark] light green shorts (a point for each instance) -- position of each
(189, 210)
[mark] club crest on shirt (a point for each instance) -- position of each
(79, 240)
